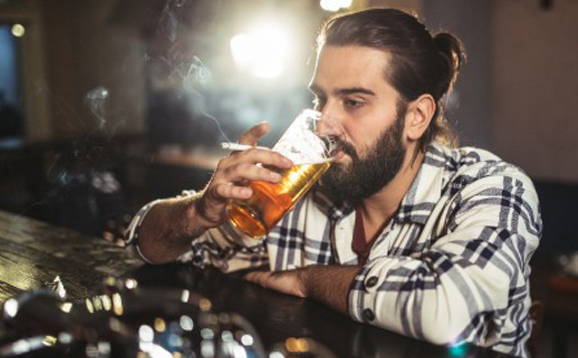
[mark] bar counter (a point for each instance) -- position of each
(32, 254)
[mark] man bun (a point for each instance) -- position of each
(453, 55)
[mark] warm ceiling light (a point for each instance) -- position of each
(335, 5)
(264, 51)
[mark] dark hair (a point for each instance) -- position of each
(421, 63)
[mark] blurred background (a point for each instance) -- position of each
(108, 104)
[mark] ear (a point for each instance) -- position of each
(419, 116)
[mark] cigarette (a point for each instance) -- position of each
(237, 146)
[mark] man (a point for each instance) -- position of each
(403, 232)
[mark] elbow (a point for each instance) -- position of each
(153, 254)
(457, 329)
(444, 333)
(137, 252)
(439, 331)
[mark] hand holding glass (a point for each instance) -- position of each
(311, 156)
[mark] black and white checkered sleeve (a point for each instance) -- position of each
(223, 247)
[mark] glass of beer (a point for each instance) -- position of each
(311, 156)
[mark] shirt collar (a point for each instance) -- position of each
(333, 211)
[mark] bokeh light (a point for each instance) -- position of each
(18, 30)
(335, 5)
(264, 51)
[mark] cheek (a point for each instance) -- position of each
(362, 137)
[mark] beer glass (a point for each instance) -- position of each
(311, 156)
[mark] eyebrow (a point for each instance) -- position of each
(344, 91)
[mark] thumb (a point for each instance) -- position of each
(252, 136)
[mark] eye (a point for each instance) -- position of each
(352, 103)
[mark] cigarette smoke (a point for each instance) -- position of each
(197, 73)
(169, 24)
(184, 68)
(96, 99)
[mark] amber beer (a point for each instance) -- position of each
(257, 215)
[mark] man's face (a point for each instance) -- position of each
(354, 97)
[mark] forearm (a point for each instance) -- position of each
(326, 284)
(168, 229)
(330, 285)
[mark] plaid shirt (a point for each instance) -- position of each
(452, 266)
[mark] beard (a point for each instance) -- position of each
(366, 175)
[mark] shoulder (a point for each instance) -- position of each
(463, 158)
(480, 191)
(481, 183)
(466, 166)
(476, 180)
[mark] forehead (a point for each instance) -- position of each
(351, 66)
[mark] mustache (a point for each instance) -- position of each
(346, 147)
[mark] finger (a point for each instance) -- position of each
(120, 242)
(263, 156)
(259, 277)
(229, 191)
(281, 282)
(246, 172)
(108, 236)
(252, 136)
(266, 157)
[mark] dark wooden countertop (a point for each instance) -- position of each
(33, 254)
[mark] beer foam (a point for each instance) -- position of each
(300, 143)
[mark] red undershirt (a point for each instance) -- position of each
(360, 245)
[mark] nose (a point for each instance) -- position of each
(329, 125)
